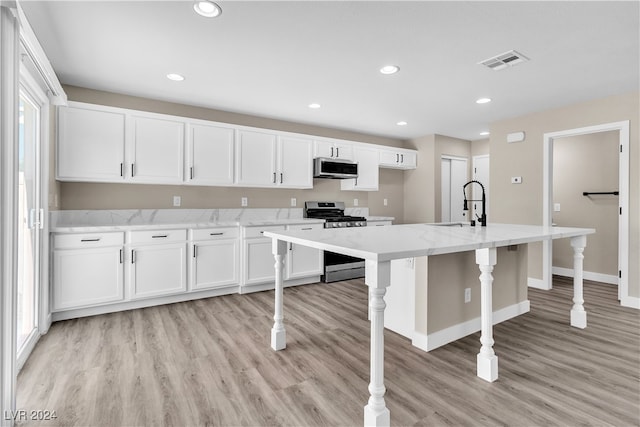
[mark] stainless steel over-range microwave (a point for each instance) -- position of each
(334, 168)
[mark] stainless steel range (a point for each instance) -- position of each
(337, 266)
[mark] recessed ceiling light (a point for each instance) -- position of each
(389, 69)
(206, 8)
(485, 133)
(483, 100)
(175, 77)
(402, 123)
(314, 105)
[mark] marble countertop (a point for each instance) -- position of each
(415, 240)
(84, 221)
(380, 218)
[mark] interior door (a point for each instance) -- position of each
(30, 219)
(454, 175)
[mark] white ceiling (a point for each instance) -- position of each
(272, 59)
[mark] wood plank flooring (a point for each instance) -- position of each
(209, 362)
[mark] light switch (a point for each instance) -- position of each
(294, 202)
(355, 202)
(177, 200)
(556, 207)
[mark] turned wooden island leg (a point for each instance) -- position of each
(278, 334)
(578, 314)
(377, 278)
(487, 361)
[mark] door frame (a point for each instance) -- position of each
(457, 158)
(623, 221)
(29, 85)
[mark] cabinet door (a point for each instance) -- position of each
(158, 270)
(333, 150)
(367, 180)
(214, 264)
(295, 162)
(90, 145)
(156, 150)
(210, 155)
(259, 261)
(86, 277)
(397, 159)
(255, 159)
(303, 261)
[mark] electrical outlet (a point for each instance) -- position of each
(467, 295)
(244, 201)
(385, 202)
(516, 180)
(177, 200)
(355, 202)
(556, 207)
(294, 202)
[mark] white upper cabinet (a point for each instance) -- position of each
(333, 150)
(210, 155)
(157, 149)
(398, 159)
(90, 145)
(255, 159)
(295, 162)
(268, 160)
(368, 176)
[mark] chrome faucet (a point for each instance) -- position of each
(483, 218)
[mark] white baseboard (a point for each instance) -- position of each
(631, 302)
(537, 283)
(445, 336)
(587, 275)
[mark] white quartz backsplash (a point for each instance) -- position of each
(132, 217)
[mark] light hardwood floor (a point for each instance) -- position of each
(209, 362)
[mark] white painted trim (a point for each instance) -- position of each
(631, 302)
(9, 60)
(588, 275)
(537, 284)
(623, 220)
(445, 336)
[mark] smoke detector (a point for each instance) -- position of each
(504, 60)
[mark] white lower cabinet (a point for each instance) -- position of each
(258, 257)
(87, 269)
(157, 263)
(214, 258)
(303, 261)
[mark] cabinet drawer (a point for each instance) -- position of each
(214, 233)
(250, 232)
(157, 236)
(87, 240)
(305, 227)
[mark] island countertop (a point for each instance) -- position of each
(415, 240)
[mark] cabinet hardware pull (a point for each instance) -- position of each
(262, 232)
(90, 240)
(308, 228)
(281, 177)
(121, 256)
(290, 246)
(121, 169)
(331, 151)
(133, 256)
(159, 236)
(337, 151)
(274, 177)
(132, 170)
(401, 158)
(397, 157)
(191, 172)
(216, 234)
(195, 248)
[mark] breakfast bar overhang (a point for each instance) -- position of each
(378, 246)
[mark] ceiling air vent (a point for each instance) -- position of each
(504, 60)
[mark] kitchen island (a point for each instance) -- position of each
(378, 246)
